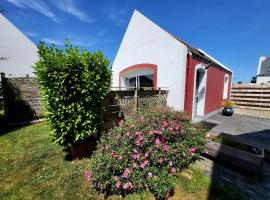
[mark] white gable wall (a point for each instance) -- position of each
(17, 53)
(145, 42)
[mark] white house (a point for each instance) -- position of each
(263, 73)
(17, 52)
(149, 56)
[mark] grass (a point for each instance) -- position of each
(31, 167)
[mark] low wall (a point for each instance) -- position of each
(22, 100)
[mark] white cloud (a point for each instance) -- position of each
(69, 7)
(61, 42)
(117, 16)
(36, 5)
(31, 33)
(53, 41)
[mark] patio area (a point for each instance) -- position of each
(247, 130)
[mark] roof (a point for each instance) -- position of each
(202, 55)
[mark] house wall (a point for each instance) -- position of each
(145, 42)
(17, 53)
(214, 86)
(214, 89)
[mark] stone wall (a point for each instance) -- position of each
(22, 99)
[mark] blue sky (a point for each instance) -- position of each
(236, 32)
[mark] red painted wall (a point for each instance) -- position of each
(214, 86)
(214, 89)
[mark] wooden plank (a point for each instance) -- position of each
(236, 157)
(250, 95)
(257, 104)
(250, 99)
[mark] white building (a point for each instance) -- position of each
(263, 73)
(17, 52)
(150, 57)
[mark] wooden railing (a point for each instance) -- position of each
(127, 100)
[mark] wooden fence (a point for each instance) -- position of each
(252, 100)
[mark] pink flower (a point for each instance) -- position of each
(144, 163)
(176, 127)
(160, 160)
(150, 174)
(118, 185)
(136, 156)
(128, 186)
(106, 146)
(164, 124)
(157, 143)
(170, 163)
(139, 139)
(146, 154)
(141, 118)
(126, 173)
(158, 132)
(173, 170)
(192, 150)
(128, 134)
(87, 175)
(166, 147)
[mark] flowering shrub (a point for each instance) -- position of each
(145, 151)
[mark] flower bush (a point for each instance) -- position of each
(145, 151)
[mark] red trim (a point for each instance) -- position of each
(140, 67)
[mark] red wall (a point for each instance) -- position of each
(214, 86)
(214, 89)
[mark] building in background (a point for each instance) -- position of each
(17, 53)
(151, 57)
(263, 73)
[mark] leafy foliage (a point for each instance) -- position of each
(145, 151)
(73, 83)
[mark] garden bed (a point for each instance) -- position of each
(31, 167)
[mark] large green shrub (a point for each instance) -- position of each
(145, 151)
(73, 83)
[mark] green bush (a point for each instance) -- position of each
(145, 151)
(73, 83)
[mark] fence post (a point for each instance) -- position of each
(135, 100)
(159, 97)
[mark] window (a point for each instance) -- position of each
(226, 86)
(140, 81)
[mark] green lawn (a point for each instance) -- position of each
(33, 168)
